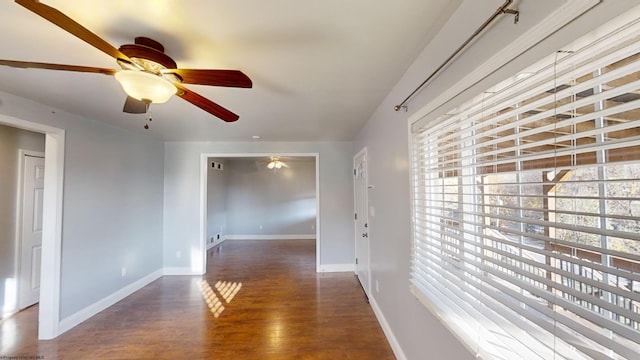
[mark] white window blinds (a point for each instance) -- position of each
(526, 210)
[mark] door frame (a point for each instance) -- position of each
(362, 152)
(49, 308)
(22, 153)
(204, 167)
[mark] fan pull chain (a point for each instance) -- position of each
(149, 119)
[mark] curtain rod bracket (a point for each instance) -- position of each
(398, 107)
(515, 13)
(500, 11)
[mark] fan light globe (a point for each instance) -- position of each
(144, 86)
(274, 164)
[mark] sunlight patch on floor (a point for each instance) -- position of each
(226, 290)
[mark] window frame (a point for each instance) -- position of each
(449, 313)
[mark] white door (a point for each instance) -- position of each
(31, 229)
(361, 219)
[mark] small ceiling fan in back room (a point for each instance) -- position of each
(147, 74)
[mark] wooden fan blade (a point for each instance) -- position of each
(229, 78)
(206, 104)
(48, 66)
(71, 26)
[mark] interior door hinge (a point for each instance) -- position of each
(354, 172)
(356, 261)
(355, 216)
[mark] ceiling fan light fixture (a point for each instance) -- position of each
(274, 164)
(145, 86)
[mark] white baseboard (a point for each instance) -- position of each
(395, 346)
(71, 321)
(271, 237)
(338, 268)
(169, 271)
(8, 314)
(216, 243)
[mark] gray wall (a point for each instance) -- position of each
(416, 330)
(11, 140)
(182, 196)
(271, 202)
(216, 200)
(112, 204)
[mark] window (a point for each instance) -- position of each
(526, 209)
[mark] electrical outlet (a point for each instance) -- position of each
(260, 227)
(377, 286)
(178, 254)
(124, 271)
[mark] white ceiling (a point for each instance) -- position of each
(319, 67)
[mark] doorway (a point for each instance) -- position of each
(259, 160)
(49, 306)
(361, 217)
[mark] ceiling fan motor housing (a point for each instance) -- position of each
(148, 55)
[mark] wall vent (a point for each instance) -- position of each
(217, 166)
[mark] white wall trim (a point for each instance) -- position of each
(393, 342)
(204, 167)
(271, 237)
(318, 242)
(567, 12)
(337, 268)
(216, 243)
(73, 320)
(204, 185)
(49, 308)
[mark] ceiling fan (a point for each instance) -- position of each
(275, 163)
(147, 74)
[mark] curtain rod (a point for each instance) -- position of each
(501, 10)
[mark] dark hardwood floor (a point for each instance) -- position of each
(258, 300)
